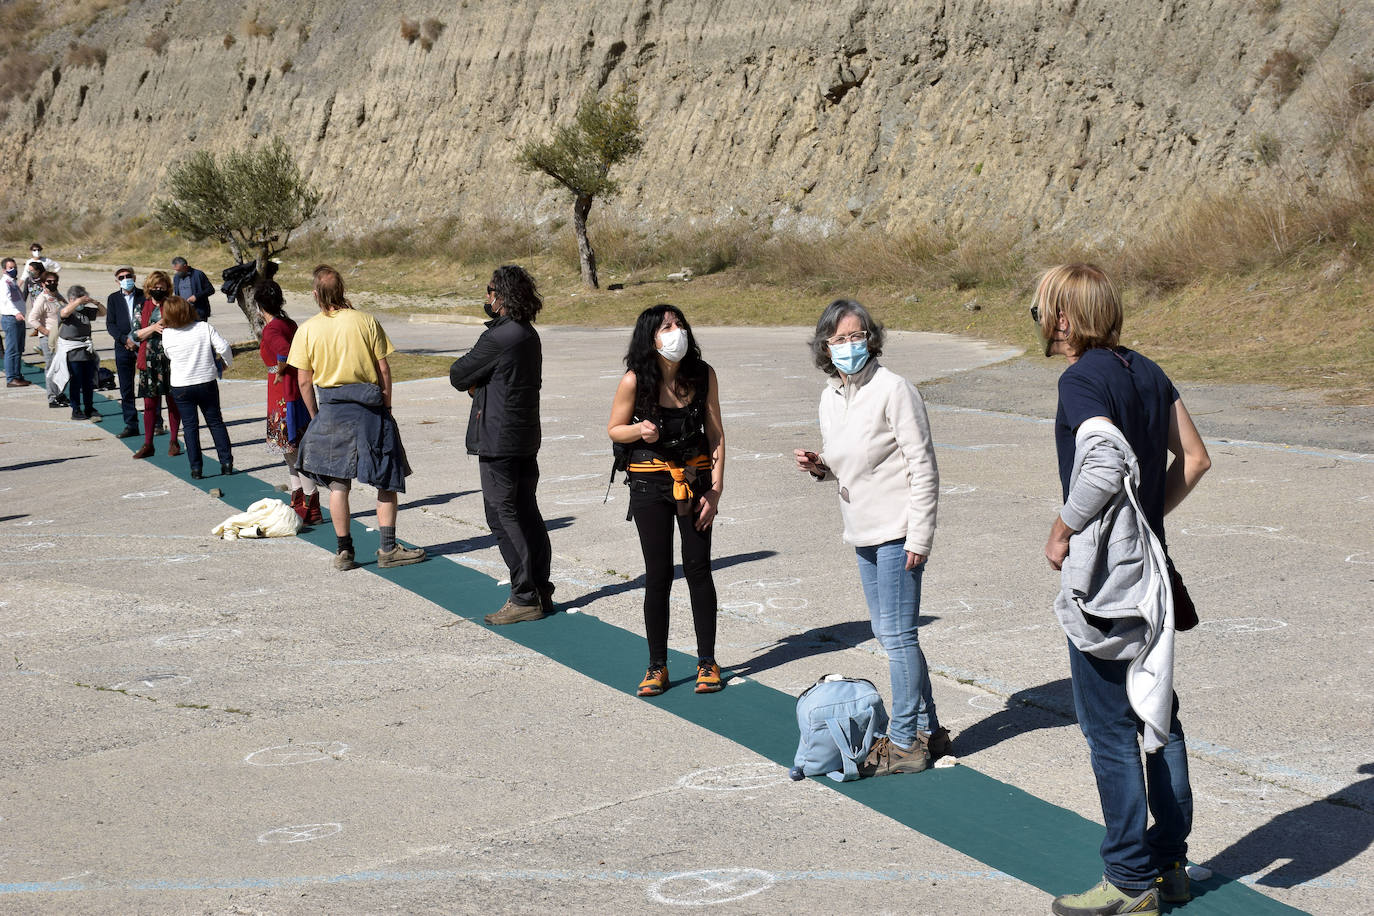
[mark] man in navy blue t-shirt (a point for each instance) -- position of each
(1080, 318)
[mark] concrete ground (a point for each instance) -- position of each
(198, 726)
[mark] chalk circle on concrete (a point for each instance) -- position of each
(1241, 625)
(965, 606)
(145, 494)
(300, 833)
(168, 680)
(958, 489)
(184, 558)
(1363, 558)
(568, 478)
(710, 886)
(563, 438)
(787, 604)
(987, 702)
(734, 777)
(757, 456)
(29, 548)
(289, 755)
(589, 499)
(785, 582)
(1221, 531)
(192, 637)
(33, 522)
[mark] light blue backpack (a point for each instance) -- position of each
(839, 719)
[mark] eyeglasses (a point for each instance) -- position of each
(856, 337)
(1035, 313)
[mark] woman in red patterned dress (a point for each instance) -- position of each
(287, 416)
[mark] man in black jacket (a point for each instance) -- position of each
(503, 372)
(122, 311)
(191, 284)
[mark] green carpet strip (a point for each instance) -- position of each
(997, 824)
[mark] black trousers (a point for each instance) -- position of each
(508, 493)
(126, 363)
(204, 396)
(655, 515)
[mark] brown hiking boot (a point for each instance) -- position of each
(145, 451)
(343, 561)
(514, 613)
(887, 758)
(936, 743)
(400, 556)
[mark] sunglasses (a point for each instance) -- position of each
(490, 289)
(124, 277)
(1035, 313)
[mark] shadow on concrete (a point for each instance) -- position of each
(1315, 840)
(10, 518)
(1046, 706)
(481, 542)
(835, 637)
(45, 462)
(440, 499)
(618, 588)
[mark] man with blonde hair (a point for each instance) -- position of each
(341, 364)
(1119, 420)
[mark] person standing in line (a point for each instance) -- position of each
(36, 254)
(12, 322)
(31, 282)
(340, 357)
(155, 369)
(287, 416)
(1119, 418)
(195, 351)
(666, 412)
(74, 358)
(191, 284)
(876, 443)
(123, 309)
(44, 317)
(503, 373)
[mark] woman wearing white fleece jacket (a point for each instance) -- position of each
(877, 445)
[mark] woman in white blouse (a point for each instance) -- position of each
(193, 346)
(876, 443)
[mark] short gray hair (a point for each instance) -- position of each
(76, 292)
(825, 329)
(179, 261)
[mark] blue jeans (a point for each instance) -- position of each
(14, 347)
(204, 396)
(893, 593)
(1133, 852)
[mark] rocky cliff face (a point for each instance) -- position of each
(1083, 118)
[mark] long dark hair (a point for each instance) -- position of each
(267, 295)
(516, 290)
(642, 359)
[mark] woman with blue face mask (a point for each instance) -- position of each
(876, 445)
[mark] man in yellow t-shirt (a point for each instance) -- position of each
(340, 357)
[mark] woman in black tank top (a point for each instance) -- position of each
(667, 413)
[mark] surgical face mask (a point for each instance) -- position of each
(127, 283)
(37, 255)
(849, 357)
(672, 344)
(158, 294)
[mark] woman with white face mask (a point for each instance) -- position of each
(666, 414)
(876, 443)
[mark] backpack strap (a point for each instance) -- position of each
(848, 753)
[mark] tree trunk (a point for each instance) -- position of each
(585, 255)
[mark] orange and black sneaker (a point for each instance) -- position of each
(655, 681)
(708, 676)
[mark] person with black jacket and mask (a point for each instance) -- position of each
(502, 373)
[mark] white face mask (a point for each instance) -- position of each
(672, 344)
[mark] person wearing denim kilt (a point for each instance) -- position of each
(877, 446)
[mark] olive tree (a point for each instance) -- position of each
(580, 155)
(251, 200)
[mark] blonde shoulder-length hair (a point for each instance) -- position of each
(1082, 294)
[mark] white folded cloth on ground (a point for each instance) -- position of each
(266, 518)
